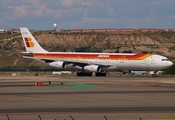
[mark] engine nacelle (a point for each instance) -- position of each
(110, 68)
(58, 64)
(126, 71)
(92, 68)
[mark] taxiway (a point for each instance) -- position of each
(89, 98)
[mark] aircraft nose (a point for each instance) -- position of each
(167, 64)
(170, 63)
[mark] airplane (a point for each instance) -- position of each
(84, 64)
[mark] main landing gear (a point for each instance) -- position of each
(90, 74)
(100, 74)
(84, 74)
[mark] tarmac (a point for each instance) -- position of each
(87, 98)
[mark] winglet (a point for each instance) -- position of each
(30, 42)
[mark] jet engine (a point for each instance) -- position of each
(58, 64)
(126, 71)
(92, 68)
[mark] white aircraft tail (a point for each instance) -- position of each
(30, 42)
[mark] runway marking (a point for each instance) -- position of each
(164, 117)
(50, 88)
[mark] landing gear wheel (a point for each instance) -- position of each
(154, 75)
(100, 74)
(84, 74)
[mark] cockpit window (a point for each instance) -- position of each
(165, 60)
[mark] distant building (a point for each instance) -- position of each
(2, 30)
(150, 29)
(12, 30)
(128, 30)
(122, 30)
(87, 30)
(99, 30)
(76, 30)
(112, 30)
(170, 29)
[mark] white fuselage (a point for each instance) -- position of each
(152, 63)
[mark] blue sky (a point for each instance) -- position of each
(87, 14)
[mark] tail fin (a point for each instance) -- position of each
(30, 42)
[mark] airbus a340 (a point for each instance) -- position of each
(87, 63)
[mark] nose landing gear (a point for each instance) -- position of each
(155, 74)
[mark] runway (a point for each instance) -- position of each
(92, 110)
(88, 98)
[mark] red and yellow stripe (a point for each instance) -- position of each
(92, 56)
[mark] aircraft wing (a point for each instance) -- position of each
(68, 61)
(78, 62)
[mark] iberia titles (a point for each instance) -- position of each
(103, 56)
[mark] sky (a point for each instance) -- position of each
(87, 14)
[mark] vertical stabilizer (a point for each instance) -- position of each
(30, 43)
